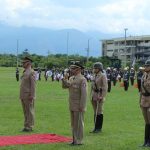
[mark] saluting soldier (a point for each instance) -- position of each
(27, 94)
(98, 92)
(145, 102)
(77, 86)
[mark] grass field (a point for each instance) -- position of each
(123, 122)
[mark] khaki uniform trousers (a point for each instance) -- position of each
(28, 109)
(146, 114)
(77, 124)
(145, 107)
(97, 106)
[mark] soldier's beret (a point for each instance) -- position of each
(76, 64)
(27, 59)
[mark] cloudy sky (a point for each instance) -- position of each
(108, 16)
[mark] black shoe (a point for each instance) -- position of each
(26, 130)
(97, 131)
(147, 145)
(92, 131)
(143, 145)
(76, 144)
(72, 143)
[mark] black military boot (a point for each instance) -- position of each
(146, 137)
(99, 123)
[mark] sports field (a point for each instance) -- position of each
(123, 122)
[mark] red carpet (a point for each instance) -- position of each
(32, 139)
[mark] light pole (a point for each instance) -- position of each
(125, 48)
(88, 50)
(17, 51)
(67, 46)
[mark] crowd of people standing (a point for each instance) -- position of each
(113, 75)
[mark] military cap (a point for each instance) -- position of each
(98, 65)
(26, 59)
(147, 63)
(76, 64)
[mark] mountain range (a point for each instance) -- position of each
(43, 41)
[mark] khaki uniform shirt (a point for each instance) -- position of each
(145, 86)
(99, 83)
(27, 86)
(77, 92)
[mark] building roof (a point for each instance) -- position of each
(129, 38)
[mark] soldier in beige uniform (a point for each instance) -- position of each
(27, 94)
(98, 93)
(145, 102)
(77, 86)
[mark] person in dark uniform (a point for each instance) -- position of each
(98, 91)
(17, 74)
(120, 74)
(132, 76)
(53, 74)
(145, 102)
(45, 74)
(139, 77)
(109, 78)
(126, 79)
(114, 76)
(39, 72)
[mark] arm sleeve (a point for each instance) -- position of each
(105, 86)
(83, 94)
(33, 84)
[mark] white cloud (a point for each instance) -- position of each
(109, 17)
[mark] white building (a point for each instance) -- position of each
(127, 49)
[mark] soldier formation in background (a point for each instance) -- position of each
(125, 77)
(113, 75)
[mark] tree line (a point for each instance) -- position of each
(50, 61)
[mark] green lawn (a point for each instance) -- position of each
(123, 122)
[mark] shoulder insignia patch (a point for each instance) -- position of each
(84, 84)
